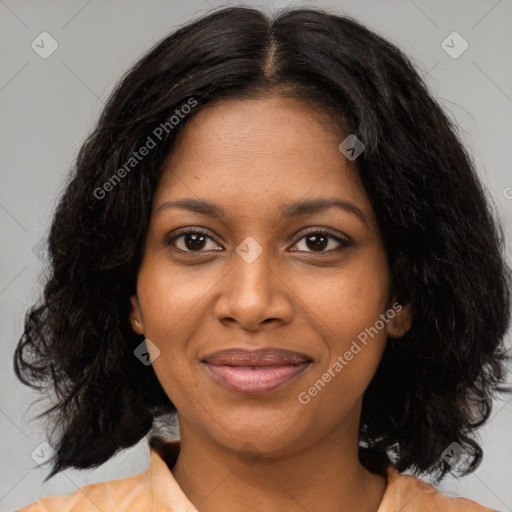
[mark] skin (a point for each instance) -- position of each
(266, 451)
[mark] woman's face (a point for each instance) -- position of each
(259, 277)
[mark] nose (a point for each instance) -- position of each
(253, 294)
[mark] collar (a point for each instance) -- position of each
(166, 493)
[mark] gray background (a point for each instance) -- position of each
(49, 106)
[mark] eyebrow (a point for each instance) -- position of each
(286, 211)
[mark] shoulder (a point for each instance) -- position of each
(127, 494)
(410, 494)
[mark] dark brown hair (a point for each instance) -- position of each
(433, 387)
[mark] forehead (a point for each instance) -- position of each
(259, 153)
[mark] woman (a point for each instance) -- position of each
(275, 233)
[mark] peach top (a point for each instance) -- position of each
(156, 490)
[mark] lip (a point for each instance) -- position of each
(269, 356)
(257, 371)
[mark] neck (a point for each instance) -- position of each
(326, 476)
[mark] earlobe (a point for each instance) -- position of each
(401, 321)
(135, 317)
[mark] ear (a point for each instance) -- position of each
(135, 316)
(400, 319)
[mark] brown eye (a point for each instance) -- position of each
(320, 240)
(191, 240)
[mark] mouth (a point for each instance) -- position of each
(259, 371)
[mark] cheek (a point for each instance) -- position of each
(348, 317)
(169, 299)
(354, 345)
(172, 305)
(352, 301)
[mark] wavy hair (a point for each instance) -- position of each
(444, 245)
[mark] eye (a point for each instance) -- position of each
(320, 239)
(191, 240)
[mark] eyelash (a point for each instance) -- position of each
(320, 231)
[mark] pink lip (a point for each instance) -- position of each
(255, 379)
(256, 371)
